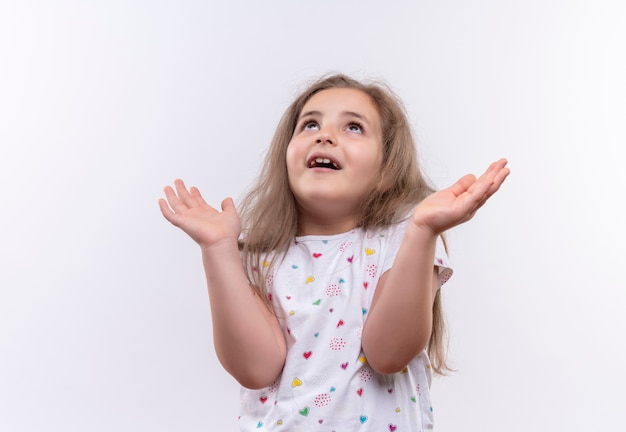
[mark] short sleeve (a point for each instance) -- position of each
(442, 262)
(395, 235)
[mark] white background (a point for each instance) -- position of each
(104, 315)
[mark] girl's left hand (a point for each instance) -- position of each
(449, 207)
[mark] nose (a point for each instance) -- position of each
(325, 137)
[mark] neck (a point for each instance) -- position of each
(308, 225)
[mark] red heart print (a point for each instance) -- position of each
(307, 354)
(392, 427)
(359, 391)
(340, 323)
(263, 399)
(344, 366)
(317, 255)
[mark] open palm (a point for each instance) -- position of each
(457, 204)
(206, 225)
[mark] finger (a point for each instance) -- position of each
(495, 175)
(190, 197)
(498, 180)
(494, 186)
(228, 206)
(183, 193)
(502, 162)
(493, 169)
(197, 196)
(166, 211)
(463, 184)
(469, 182)
(502, 175)
(491, 179)
(496, 166)
(174, 200)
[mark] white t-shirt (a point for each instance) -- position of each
(322, 291)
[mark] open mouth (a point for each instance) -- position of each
(323, 162)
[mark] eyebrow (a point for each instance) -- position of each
(343, 113)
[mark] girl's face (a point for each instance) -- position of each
(333, 159)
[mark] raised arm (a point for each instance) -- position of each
(248, 340)
(399, 323)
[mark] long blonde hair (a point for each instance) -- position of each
(269, 212)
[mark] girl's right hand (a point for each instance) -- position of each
(206, 225)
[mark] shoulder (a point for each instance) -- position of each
(388, 234)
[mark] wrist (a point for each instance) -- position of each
(220, 247)
(422, 230)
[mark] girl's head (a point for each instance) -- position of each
(398, 181)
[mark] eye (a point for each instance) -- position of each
(310, 125)
(355, 127)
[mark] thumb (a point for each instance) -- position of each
(228, 206)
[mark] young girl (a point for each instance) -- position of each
(324, 287)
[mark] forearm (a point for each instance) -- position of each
(247, 337)
(400, 319)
